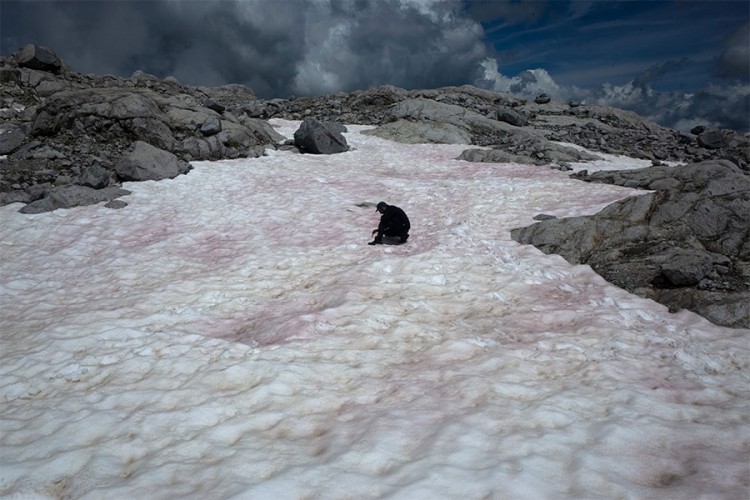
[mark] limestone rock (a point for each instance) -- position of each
(95, 176)
(72, 196)
(420, 132)
(145, 162)
(211, 126)
(508, 115)
(11, 138)
(711, 139)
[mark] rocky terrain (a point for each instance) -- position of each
(68, 139)
(61, 129)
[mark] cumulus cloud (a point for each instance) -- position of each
(529, 83)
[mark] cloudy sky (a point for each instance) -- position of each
(681, 63)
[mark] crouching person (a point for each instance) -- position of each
(393, 224)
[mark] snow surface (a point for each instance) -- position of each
(230, 334)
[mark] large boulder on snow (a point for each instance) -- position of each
(686, 245)
(409, 132)
(318, 137)
(144, 162)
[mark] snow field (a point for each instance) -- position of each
(229, 334)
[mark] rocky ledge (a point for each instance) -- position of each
(686, 244)
(68, 139)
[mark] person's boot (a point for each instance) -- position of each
(376, 241)
(403, 239)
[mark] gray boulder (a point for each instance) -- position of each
(214, 106)
(151, 130)
(95, 176)
(48, 87)
(211, 126)
(263, 132)
(15, 196)
(508, 115)
(116, 204)
(144, 162)
(682, 267)
(711, 139)
(72, 196)
(320, 137)
(11, 138)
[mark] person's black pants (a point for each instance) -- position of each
(402, 233)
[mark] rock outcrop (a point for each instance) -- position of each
(483, 120)
(520, 146)
(686, 244)
(60, 128)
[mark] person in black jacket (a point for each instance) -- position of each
(393, 223)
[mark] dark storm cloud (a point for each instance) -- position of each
(657, 71)
(734, 61)
(206, 43)
(277, 48)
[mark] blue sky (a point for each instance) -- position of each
(589, 43)
(680, 63)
